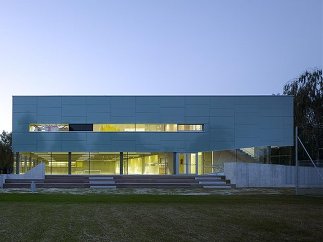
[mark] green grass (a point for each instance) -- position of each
(65, 217)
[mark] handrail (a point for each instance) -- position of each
(316, 168)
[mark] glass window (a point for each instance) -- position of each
(81, 127)
(170, 127)
(59, 163)
(48, 127)
(105, 163)
(150, 127)
(142, 127)
(156, 127)
(148, 163)
(190, 127)
(80, 163)
(114, 127)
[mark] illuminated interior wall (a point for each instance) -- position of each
(59, 164)
(105, 163)
(80, 163)
(148, 163)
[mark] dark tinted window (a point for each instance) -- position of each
(80, 127)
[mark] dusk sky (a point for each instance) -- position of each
(166, 47)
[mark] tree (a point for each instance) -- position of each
(6, 154)
(308, 107)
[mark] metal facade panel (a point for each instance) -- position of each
(73, 110)
(74, 119)
(49, 101)
(55, 119)
(48, 146)
(25, 100)
(197, 110)
(96, 100)
(99, 118)
(24, 108)
(73, 100)
(49, 111)
(229, 122)
(97, 108)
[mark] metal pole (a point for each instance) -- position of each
(89, 163)
(69, 169)
(174, 164)
(121, 163)
(296, 160)
(17, 162)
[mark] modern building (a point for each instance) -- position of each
(150, 134)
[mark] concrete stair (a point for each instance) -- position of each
(102, 182)
(214, 181)
(66, 181)
(22, 183)
(50, 181)
(155, 181)
(123, 181)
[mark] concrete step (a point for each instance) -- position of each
(46, 185)
(209, 178)
(17, 185)
(217, 187)
(110, 187)
(24, 181)
(155, 181)
(93, 182)
(64, 185)
(101, 178)
(212, 183)
(154, 185)
(154, 176)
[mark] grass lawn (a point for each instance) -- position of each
(66, 217)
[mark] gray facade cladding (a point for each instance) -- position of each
(229, 122)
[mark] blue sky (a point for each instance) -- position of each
(104, 47)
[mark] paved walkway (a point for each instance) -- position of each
(156, 191)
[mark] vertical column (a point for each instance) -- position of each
(212, 163)
(17, 162)
(89, 163)
(51, 163)
(69, 171)
(121, 163)
(176, 163)
(196, 163)
(25, 164)
(30, 161)
(187, 163)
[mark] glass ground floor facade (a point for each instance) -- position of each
(147, 163)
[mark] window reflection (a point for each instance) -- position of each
(115, 127)
(190, 127)
(48, 127)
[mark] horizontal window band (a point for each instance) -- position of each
(116, 127)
